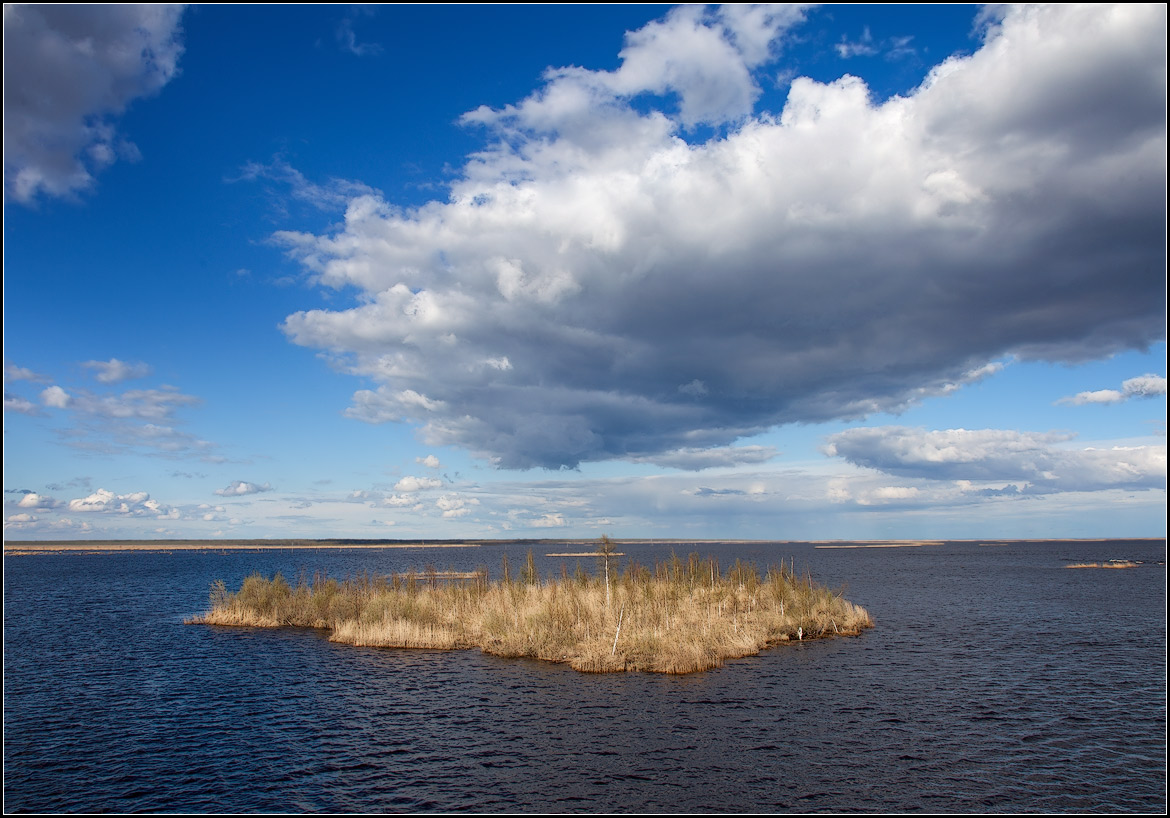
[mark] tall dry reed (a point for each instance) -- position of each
(678, 617)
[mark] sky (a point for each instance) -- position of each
(745, 272)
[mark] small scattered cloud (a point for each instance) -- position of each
(115, 371)
(888, 494)
(347, 36)
(550, 520)
(1143, 386)
(891, 48)
(12, 372)
(410, 484)
(37, 502)
(334, 195)
(706, 491)
(77, 482)
(453, 506)
(133, 420)
(695, 459)
(211, 514)
(23, 406)
(430, 461)
(239, 488)
(55, 397)
(898, 48)
(1098, 396)
(363, 496)
(135, 404)
(135, 504)
(862, 47)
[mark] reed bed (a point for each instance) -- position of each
(681, 616)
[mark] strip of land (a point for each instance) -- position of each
(19, 547)
(101, 546)
(885, 544)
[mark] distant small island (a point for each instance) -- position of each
(682, 616)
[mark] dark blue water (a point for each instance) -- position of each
(996, 680)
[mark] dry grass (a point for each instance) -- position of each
(680, 617)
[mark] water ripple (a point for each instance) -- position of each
(995, 681)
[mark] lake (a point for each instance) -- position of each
(996, 680)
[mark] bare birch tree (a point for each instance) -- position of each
(605, 549)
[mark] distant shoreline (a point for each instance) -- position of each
(25, 547)
(101, 546)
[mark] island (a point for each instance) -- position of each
(681, 616)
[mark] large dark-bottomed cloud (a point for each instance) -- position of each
(69, 72)
(597, 287)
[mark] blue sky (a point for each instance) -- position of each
(837, 272)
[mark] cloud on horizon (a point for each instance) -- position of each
(596, 287)
(1034, 463)
(135, 504)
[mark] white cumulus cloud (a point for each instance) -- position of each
(842, 257)
(411, 484)
(135, 504)
(55, 397)
(453, 506)
(37, 501)
(551, 520)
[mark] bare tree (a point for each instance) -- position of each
(606, 549)
(529, 574)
